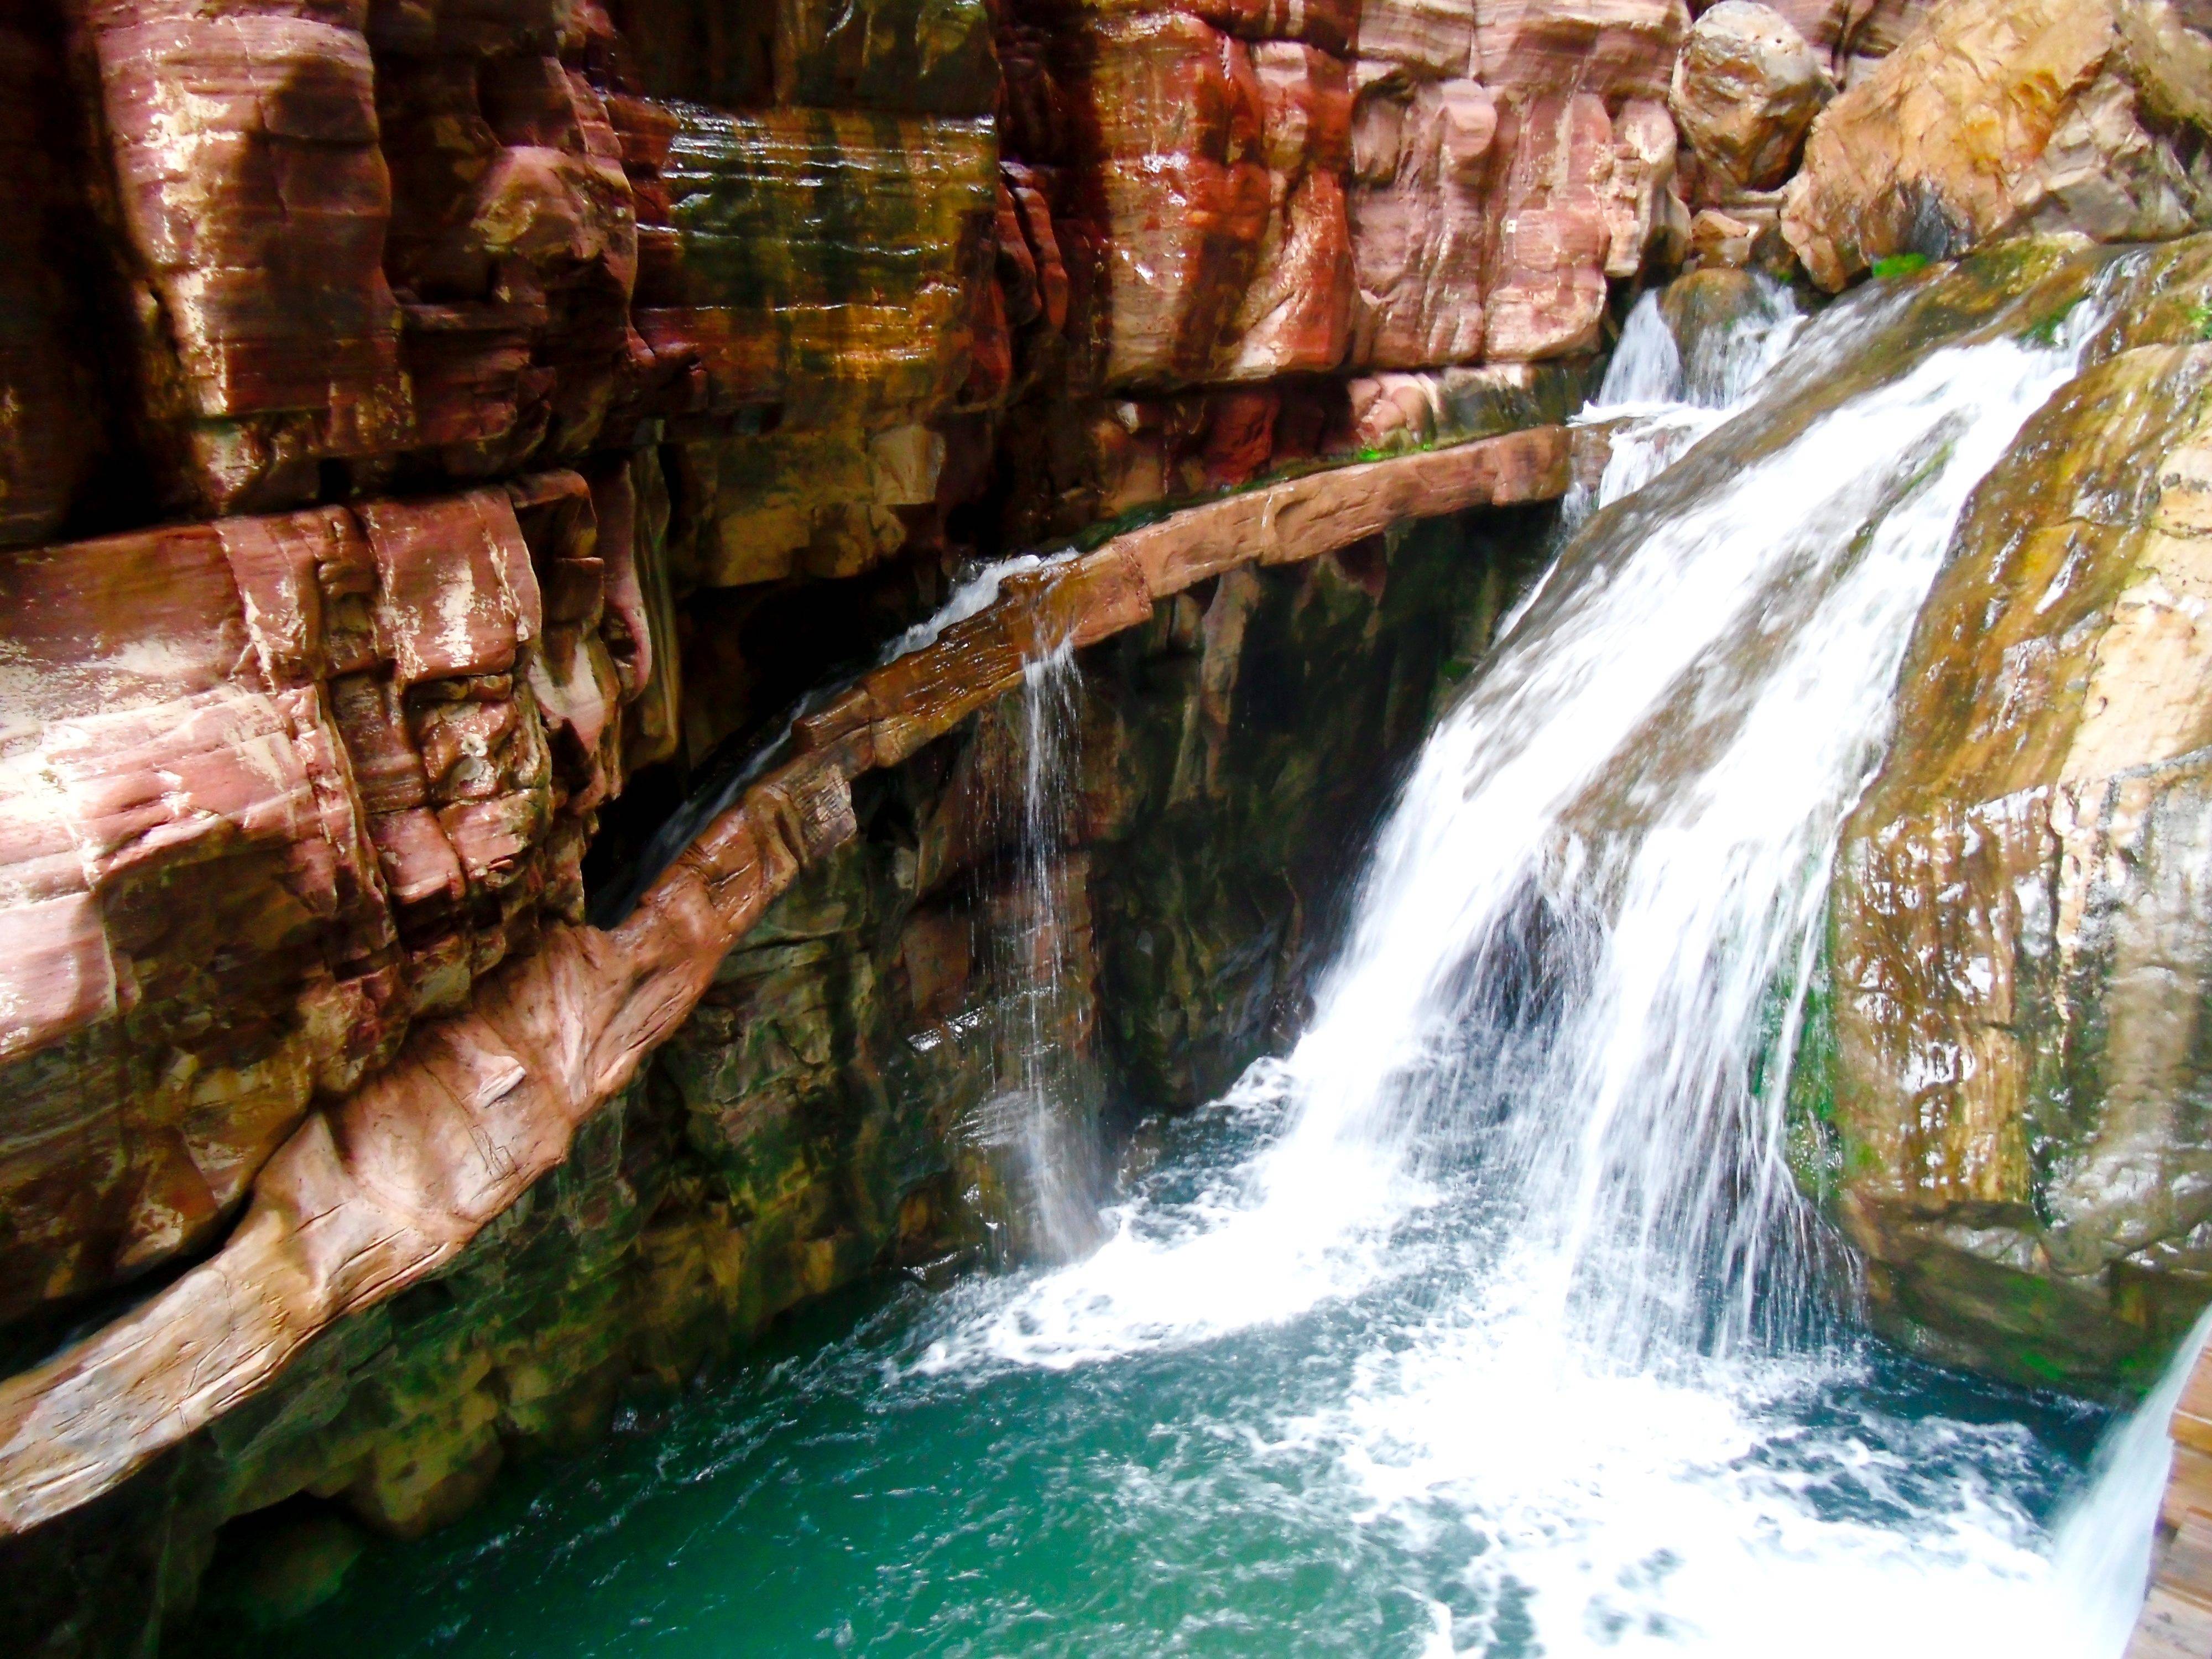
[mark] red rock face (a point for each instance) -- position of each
(281, 785)
(474, 369)
(464, 357)
(249, 183)
(48, 429)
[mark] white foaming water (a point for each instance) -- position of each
(1658, 404)
(971, 598)
(1533, 1089)
(2103, 1555)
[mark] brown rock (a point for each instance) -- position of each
(915, 57)
(2016, 960)
(48, 432)
(825, 258)
(2000, 116)
(1719, 238)
(387, 1188)
(1746, 88)
(250, 182)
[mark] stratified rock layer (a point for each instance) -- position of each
(279, 785)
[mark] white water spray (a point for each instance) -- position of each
(1546, 1077)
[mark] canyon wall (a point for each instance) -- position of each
(825, 1111)
(438, 435)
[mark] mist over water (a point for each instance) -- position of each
(1489, 1320)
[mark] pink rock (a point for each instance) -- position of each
(1553, 235)
(1421, 219)
(1296, 313)
(244, 143)
(457, 594)
(249, 758)
(1433, 37)
(1614, 49)
(1645, 219)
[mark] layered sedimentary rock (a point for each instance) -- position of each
(475, 375)
(389, 1188)
(1503, 172)
(1999, 116)
(254, 199)
(2011, 1067)
(279, 785)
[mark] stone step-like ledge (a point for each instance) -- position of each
(381, 1192)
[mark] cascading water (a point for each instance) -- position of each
(1040, 1126)
(1489, 1320)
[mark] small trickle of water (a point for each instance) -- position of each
(974, 593)
(1039, 1125)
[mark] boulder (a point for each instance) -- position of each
(2012, 1075)
(1746, 88)
(2000, 116)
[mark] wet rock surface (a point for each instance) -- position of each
(436, 433)
(2009, 1070)
(1746, 88)
(818, 1115)
(1995, 118)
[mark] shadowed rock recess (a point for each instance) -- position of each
(443, 442)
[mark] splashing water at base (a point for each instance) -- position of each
(1486, 1322)
(1573, 959)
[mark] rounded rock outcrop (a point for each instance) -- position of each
(1746, 88)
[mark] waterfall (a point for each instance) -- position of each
(1545, 1078)
(1488, 1320)
(2103, 1557)
(1656, 405)
(1039, 1127)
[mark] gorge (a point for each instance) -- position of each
(1042, 826)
